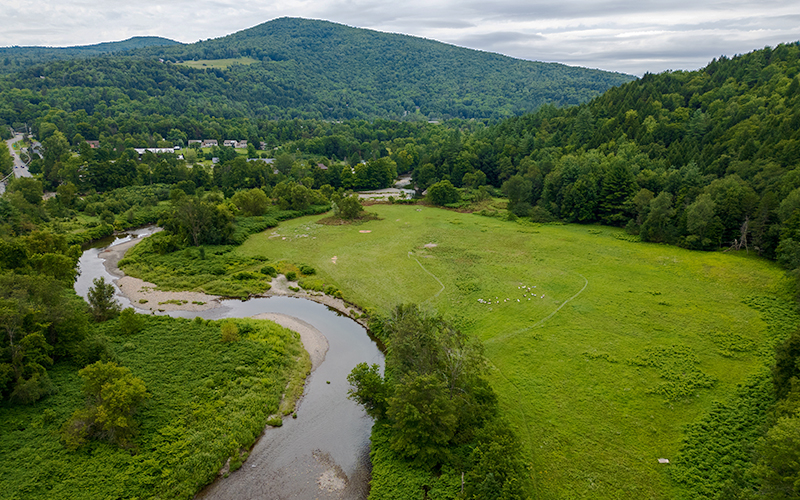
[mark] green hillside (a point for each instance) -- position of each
(15, 58)
(351, 67)
(686, 158)
(318, 69)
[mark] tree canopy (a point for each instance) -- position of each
(112, 397)
(434, 398)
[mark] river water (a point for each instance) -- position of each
(324, 452)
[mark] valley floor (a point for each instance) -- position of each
(604, 349)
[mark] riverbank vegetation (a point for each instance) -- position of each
(177, 403)
(173, 263)
(435, 412)
(207, 401)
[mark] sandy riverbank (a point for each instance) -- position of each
(313, 340)
(146, 295)
(279, 286)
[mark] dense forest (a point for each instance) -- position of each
(297, 68)
(15, 58)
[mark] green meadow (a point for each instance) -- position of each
(218, 63)
(609, 351)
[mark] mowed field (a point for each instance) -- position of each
(218, 63)
(615, 348)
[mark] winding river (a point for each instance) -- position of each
(324, 452)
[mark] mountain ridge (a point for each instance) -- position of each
(409, 71)
(296, 67)
(136, 41)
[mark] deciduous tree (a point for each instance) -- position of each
(112, 396)
(442, 193)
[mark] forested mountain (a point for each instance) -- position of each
(16, 58)
(314, 69)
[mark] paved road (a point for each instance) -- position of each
(20, 169)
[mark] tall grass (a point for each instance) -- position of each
(209, 400)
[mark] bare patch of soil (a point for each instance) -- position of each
(338, 221)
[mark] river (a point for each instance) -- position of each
(324, 452)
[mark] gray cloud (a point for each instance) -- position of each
(499, 39)
(618, 35)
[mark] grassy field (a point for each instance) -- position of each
(614, 349)
(218, 63)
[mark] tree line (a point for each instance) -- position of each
(703, 159)
(437, 410)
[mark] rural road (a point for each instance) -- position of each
(20, 169)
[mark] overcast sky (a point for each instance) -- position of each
(618, 35)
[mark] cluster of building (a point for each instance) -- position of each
(208, 143)
(156, 151)
(203, 143)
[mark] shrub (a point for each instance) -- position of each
(311, 284)
(230, 332)
(164, 244)
(275, 421)
(251, 203)
(48, 416)
(91, 350)
(442, 193)
(246, 275)
(112, 395)
(307, 270)
(130, 323)
(349, 207)
(236, 463)
(30, 390)
(291, 276)
(269, 271)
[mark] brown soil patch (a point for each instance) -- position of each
(338, 221)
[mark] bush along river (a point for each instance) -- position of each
(324, 451)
